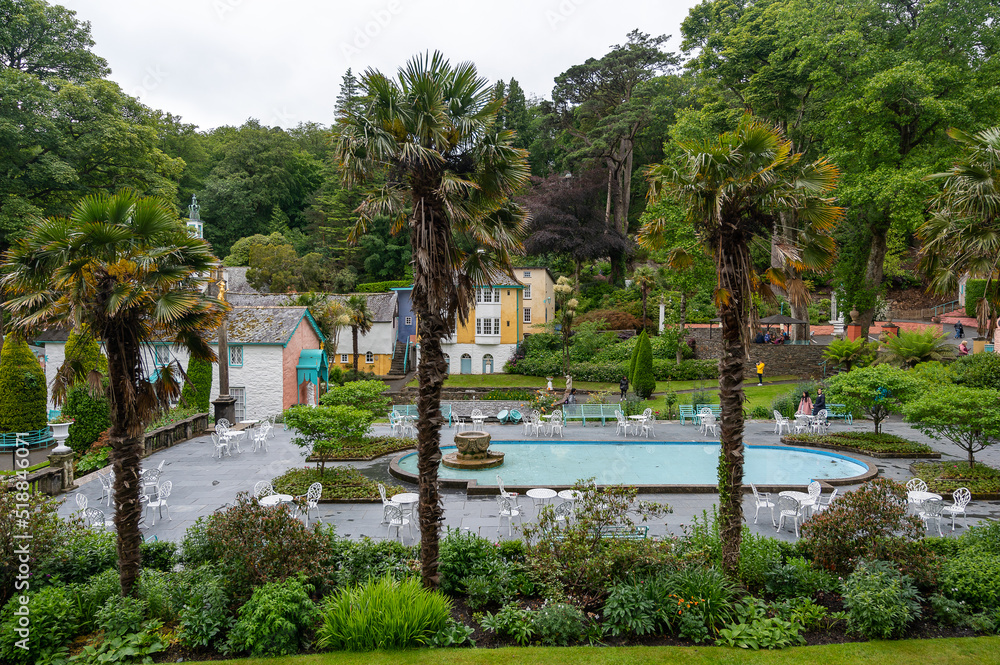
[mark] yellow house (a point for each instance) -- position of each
(492, 333)
(538, 306)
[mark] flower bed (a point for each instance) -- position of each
(339, 484)
(866, 443)
(945, 477)
(367, 448)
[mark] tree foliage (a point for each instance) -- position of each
(877, 390)
(48, 42)
(643, 382)
(968, 417)
(910, 348)
(197, 391)
(23, 397)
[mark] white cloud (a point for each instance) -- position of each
(219, 62)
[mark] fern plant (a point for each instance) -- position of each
(911, 348)
(848, 353)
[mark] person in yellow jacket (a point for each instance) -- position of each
(760, 373)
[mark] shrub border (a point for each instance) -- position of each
(860, 451)
(988, 496)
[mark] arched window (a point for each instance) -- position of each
(488, 364)
(369, 357)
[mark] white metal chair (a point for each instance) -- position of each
(563, 511)
(263, 488)
(826, 502)
(393, 516)
(802, 424)
(961, 497)
(556, 423)
(708, 423)
(648, 424)
(81, 502)
(107, 486)
(477, 419)
(224, 422)
(95, 519)
(814, 490)
(311, 497)
(930, 510)
(150, 480)
(260, 437)
(503, 491)
(916, 485)
(781, 423)
(508, 510)
(622, 423)
(162, 493)
(788, 507)
(386, 503)
(221, 446)
(395, 424)
(160, 466)
(762, 500)
(529, 422)
(820, 424)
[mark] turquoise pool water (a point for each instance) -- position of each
(646, 463)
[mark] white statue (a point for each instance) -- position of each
(549, 379)
(310, 393)
(569, 383)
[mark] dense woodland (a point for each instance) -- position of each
(872, 85)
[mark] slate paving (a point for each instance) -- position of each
(203, 484)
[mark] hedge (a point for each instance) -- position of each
(974, 290)
(197, 390)
(23, 397)
(91, 414)
(382, 287)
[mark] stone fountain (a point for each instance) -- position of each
(473, 452)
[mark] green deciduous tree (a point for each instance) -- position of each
(877, 390)
(127, 268)
(452, 170)
(968, 417)
(323, 429)
(47, 41)
(734, 189)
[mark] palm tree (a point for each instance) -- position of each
(449, 168)
(127, 269)
(645, 278)
(962, 235)
(360, 320)
(733, 189)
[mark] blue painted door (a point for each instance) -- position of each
(466, 364)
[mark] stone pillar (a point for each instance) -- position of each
(854, 329)
(663, 315)
(64, 462)
(833, 307)
(225, 407)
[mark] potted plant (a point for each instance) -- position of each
(60, 432)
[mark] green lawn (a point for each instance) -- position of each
(956, 651)
(558, 383)
(757, 395)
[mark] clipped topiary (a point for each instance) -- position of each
(643, 381)
(91, 415)
(23, 397)
(633, 358)
(197, 391)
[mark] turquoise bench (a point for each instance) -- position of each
(839, 411)
(714, 408)
(411, 410)
(39, 438)
(624, 532)
(686, 411)
(585, 412)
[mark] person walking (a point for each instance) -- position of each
(623, 384)
(760, 372)
(805, 404)
(820, 402)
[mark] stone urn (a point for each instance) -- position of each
(60, 432)
(473, 452)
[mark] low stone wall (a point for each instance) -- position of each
(796, 359)
(170, 435)
(47, 481)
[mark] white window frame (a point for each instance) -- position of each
(527, 315)
(527, 274)
(479, 326)
(496, 295)
(409, 320)
(496, 326)
(527, 292)
(369, 357)
(236, 353)
(343, 358)
(240, 394)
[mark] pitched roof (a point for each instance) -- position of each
(265, 325)
(382, 306)
(236, 280)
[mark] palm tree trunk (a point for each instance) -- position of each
(733, 276)
(431, 373)
(354, 338)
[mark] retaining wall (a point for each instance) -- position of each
(795, 359)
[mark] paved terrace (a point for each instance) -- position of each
(202, 484)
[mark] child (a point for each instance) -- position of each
(760, 373)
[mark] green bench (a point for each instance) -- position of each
(624, 532)
(411, 410)
(583, 412)
(839, 411)
(714, 408)
(686, 411)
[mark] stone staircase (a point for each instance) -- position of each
(396, 370)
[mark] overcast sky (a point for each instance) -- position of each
(219, 62)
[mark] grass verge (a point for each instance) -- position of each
(951, 651)
(558, 383)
